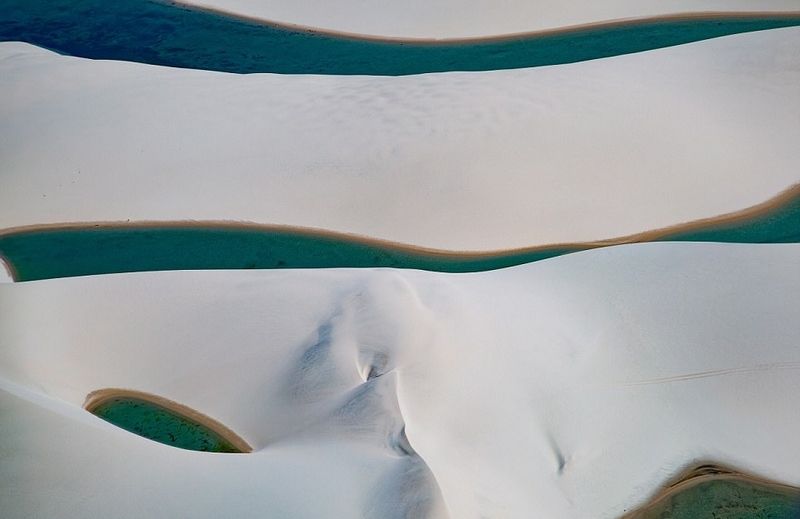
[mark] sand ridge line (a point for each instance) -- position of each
(101, 396)
(607, 24)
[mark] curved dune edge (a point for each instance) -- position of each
(755, 212)
(742, 216)
(101, 396)
(6, 271)
(706, 472)
(605, 24)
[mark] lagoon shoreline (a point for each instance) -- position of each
(102, 396)
(208, 39)
(706, 472)
(738, 219)
(554, 31)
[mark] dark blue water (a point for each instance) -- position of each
(161, 33)
(53, 253)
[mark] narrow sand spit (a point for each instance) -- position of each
(470, 19)
(547, 31)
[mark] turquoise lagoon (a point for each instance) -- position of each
(79, 250)
(727, 498)
(162, 33)
(53, 253)
(159, 424)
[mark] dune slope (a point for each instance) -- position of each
(455, 161)
(568, 388)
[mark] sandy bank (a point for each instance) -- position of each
(547, 31)
(442, 19)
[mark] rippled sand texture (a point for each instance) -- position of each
(463, 162)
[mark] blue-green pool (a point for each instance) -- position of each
(727, 498)
(53, 253)
(162, 33)
(159, 424)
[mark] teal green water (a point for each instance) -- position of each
(161, 33)
(156, 423)
(779, 226)
(76, 252)
(54, 253)
(727, 499)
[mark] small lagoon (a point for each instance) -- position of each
(159, 423)
(728, 497)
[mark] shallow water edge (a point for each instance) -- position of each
(714, 491)
(79, 249)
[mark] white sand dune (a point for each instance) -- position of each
(435, 19)
(571, 388)
(459, 161)
(568, 388)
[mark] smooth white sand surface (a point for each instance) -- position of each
(567, 388)
(434, 19)
(458, 161)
